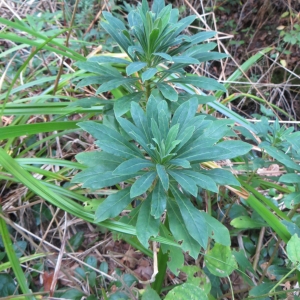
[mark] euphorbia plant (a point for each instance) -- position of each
(156, 142)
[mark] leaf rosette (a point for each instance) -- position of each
(159, 157)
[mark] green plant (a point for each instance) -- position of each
(152, 158)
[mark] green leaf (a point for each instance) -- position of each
(150, 294)
(149, 74)
(234, 149)
(245, 222)
(290, 178)
(222, 177)
(167, 91)
(142, 184)
(176, 258)
(292, 249)
(114, 83)
(122, 105)
(94, 178)
(220, 261)
(216, 229)
(163, 176)
(186, 291)
(113, 205)
(108, 59)
(179, 230)
(281, 157)
(292, 199)
(201, 82)
(146, 225)
(108, 161)
(180, 163)
(186, 182)
(185, 60)
(201, 180)
(164, 55)
(135, 67)
(194, 221)
(262, 289)
(110, 140)
(159, 201)
(140, 119)
(131, 166)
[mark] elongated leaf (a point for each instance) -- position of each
(146, 225)
(140, 119)
(132, 166)
(281, 157)
(180, 163)
(29, 129)
(93, 158)
(185, 60)
(122, 105)
(163, 176)
(114, 83)
(113, 205)
(149, 74)
(193, 220)
(135, 67)
(108, 59)
(222, 177)
(142, 184)
(110, 140)
(186, 182)
(201, 180)
(234, 148)
(201, 82)
(97, 178)
(168, 92)
(179, 230)
(290, 178)
(159, 201)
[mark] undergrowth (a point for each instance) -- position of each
(128, 167)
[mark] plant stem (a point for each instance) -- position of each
(162, 268)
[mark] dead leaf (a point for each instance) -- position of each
(47, 280)
(272, 170)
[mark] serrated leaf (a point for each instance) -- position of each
(163, 176)
(135, 67)
(113, 205)
(201, 82)
(149, 74)
(132, 166)
(159, 201)
(142, 184)
(201, 180)
(122, 105)
(167, 91)
(186, 182)
(110, 140)
(146, 225)
(220, 261)
(193, 220)
(179, 230)
(245, 222)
